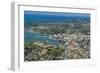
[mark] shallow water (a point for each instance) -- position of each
(35, 36)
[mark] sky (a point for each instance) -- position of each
(36, 16)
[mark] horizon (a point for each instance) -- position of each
(41, 16)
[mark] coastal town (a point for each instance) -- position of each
(72, 46)
(75, 42)
(57, 36)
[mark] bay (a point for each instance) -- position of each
(36, 36)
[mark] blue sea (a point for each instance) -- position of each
(42, 16)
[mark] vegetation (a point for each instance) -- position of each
(35, 52)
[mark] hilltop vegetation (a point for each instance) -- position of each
(37, 52)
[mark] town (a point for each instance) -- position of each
(74, 38)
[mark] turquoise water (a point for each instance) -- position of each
(35, 36)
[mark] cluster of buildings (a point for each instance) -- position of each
(72, 41)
